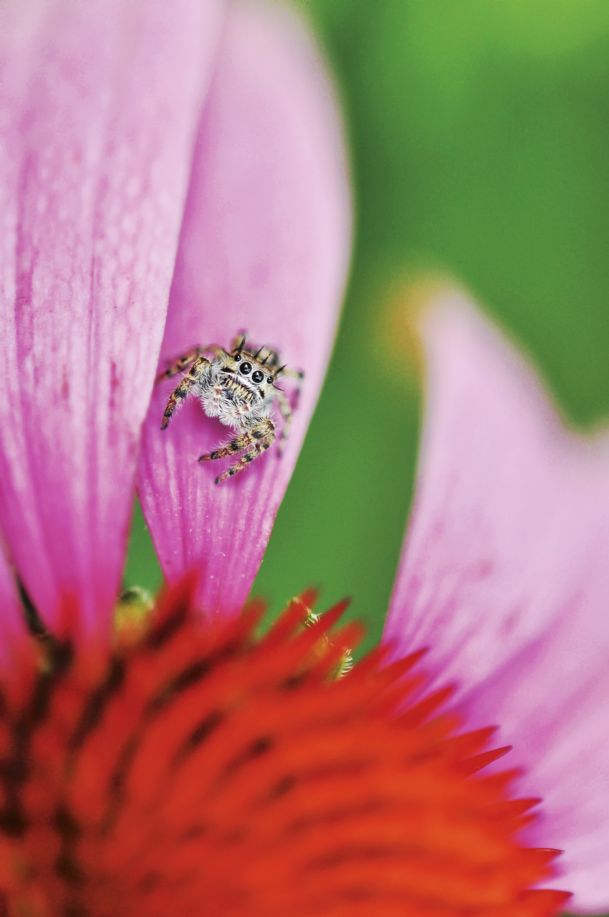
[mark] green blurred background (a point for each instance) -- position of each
(480, 145)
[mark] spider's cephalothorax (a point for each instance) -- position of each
(239, 388)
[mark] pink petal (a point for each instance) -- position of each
(100, 102)
(505, 575)
(264, 247)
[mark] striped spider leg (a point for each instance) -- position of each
(196, 363)
(180, 364)
(255, 441)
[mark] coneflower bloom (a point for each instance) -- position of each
(188, 765)
(194, 769)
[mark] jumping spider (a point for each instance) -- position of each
(237, 387)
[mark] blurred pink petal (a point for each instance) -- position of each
(505, 575)
(264, 247)
(99, 106)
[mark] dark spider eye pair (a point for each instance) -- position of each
(246, 369)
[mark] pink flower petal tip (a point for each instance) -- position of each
(264, 247)
(505, 576)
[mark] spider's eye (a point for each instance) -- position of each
(245, 368)
(257, 376)
(269, 380)
(237, 358)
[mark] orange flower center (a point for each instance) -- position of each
(200, 770)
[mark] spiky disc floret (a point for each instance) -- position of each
(197, 770)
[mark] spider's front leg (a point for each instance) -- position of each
(285, 409)
(287, 405)
(260, 438)
(180, 364)
(298, 375)
(177, 396)
(262, 431)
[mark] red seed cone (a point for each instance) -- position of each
(197, 770)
